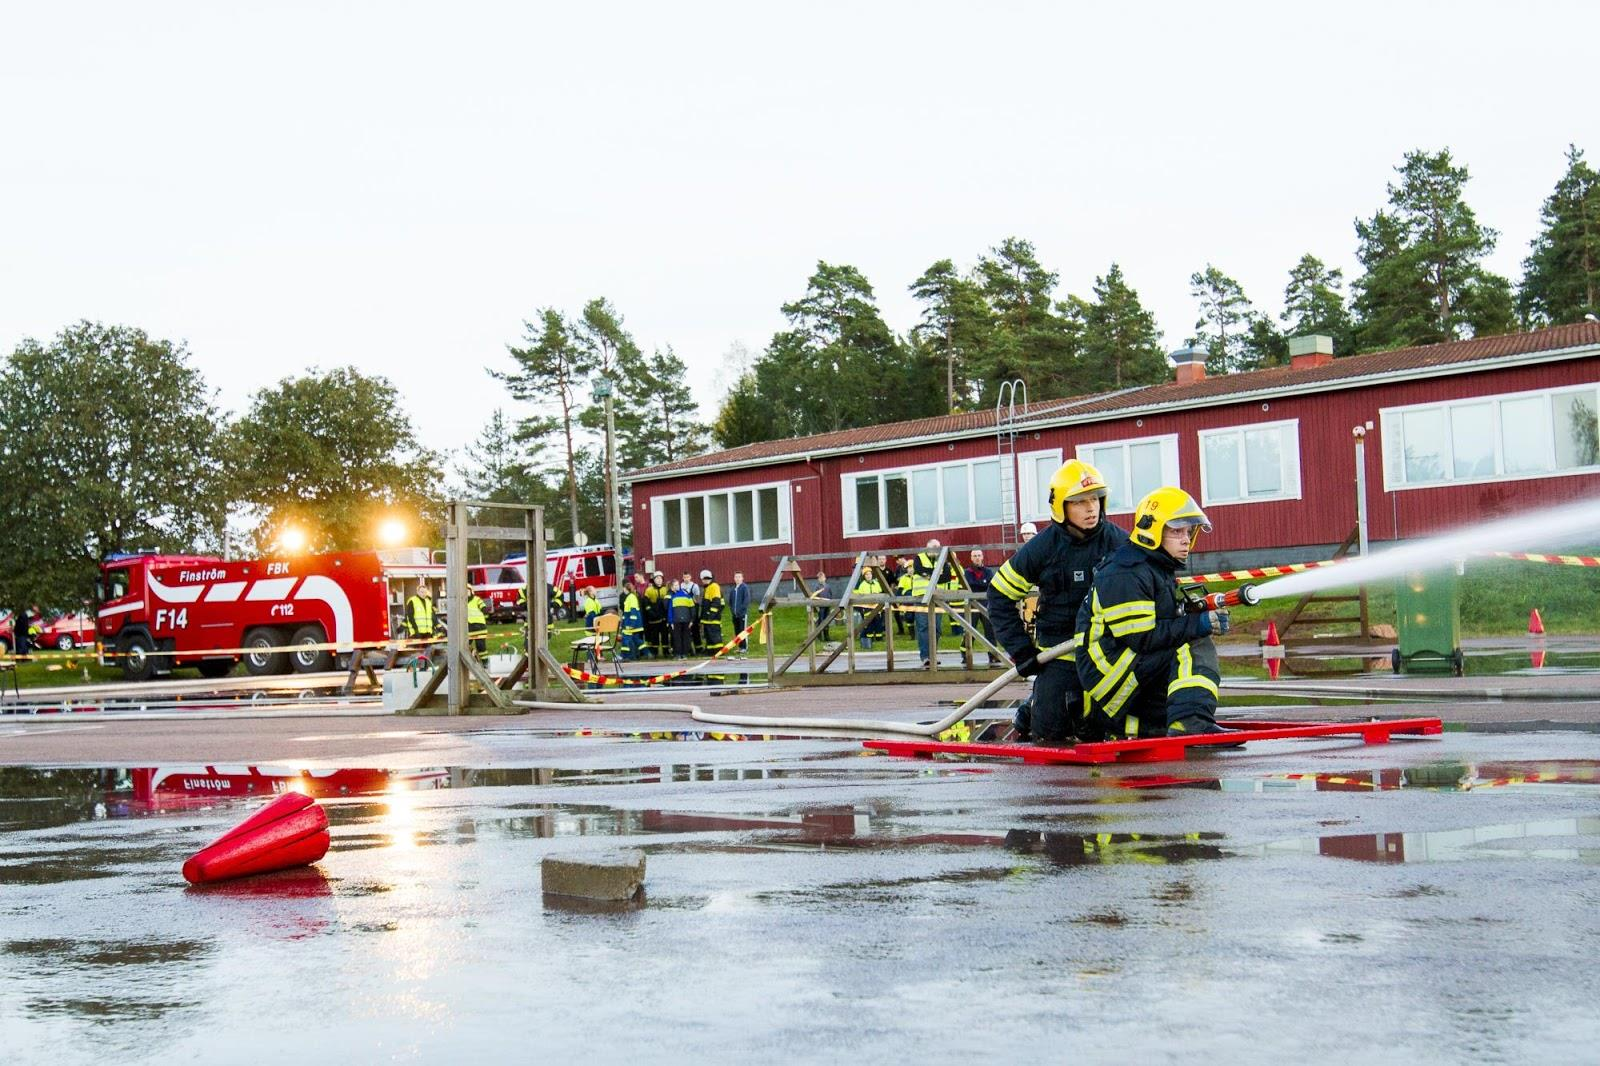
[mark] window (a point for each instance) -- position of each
(717, 519)
(771, 526)
(672, 515)
(1034, 471)
(936, 496)
(1523, 434)
(986, 491)
(1250, 464)
(1133, 468)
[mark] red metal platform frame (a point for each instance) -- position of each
(1165, 749)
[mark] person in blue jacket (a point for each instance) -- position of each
(739, 608)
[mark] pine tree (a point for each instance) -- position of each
(551, 366)
(655, 389)
(1425, 281)
(839, 366)
(955, 330)
(499, 466)
(1314, 303)
(1561, 276)
(742, 418)
(1121, 344)
(1031, 340)
(1224, 324)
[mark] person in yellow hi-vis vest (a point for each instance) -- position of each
(478, 627)
(419, 622)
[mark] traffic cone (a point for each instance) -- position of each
(290, 831)
(1535, 623)
(1274, 659)
(1537, 658)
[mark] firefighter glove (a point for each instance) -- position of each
(1219, 622)
(1029, 665)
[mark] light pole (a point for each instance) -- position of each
(602, 391)
(1360, 435)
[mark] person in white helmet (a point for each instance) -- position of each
(1027, 531)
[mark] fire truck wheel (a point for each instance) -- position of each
(311, 661)
(260, 663)
(64, 642)
(138, 664)
(215, 668)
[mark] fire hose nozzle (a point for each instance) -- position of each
(1245, 594)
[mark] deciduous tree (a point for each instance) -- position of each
(107, 443)
(332, 452)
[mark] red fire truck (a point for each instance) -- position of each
(159, 612)
(590, 567)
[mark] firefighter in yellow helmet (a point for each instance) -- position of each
(1061, 561)
(1147, 664)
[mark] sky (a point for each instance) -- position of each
(399, 186)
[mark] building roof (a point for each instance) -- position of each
(1557, 342)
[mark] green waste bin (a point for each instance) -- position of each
(1429, 607)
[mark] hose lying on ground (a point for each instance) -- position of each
(824, 726)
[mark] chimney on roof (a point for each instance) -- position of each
(1307, 352)
(1189, 364)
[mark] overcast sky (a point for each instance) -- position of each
(397, 186)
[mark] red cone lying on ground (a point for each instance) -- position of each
(290, 831)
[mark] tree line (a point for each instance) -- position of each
(111, 441)
(838, 365)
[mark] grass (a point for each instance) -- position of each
(1496, 597)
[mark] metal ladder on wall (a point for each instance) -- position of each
(1005, 446)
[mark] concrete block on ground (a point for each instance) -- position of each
(604, 875)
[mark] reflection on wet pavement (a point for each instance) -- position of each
(804, 895)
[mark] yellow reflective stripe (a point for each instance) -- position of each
(1123, 694)
(1187, 678)
(1077, 640)
(1117, 610)
(1194, 681)
(1133, 625)
(1097, 655)
(1010, 583)
(1111, 673)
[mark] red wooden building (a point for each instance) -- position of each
(1453, 431)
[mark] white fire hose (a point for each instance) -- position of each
(853, 727)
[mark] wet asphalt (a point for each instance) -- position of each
(1430, 899)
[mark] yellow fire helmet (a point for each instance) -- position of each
(1075, 480)
(1166, 506)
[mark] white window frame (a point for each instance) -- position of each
(1291, 459)
(847, 497)
(1171, 472)
(1494, 400)
(658, 518)
(1028, 506)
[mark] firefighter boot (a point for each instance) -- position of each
(1022, 721)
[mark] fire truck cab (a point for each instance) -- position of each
(303, 613)
(593, 566)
